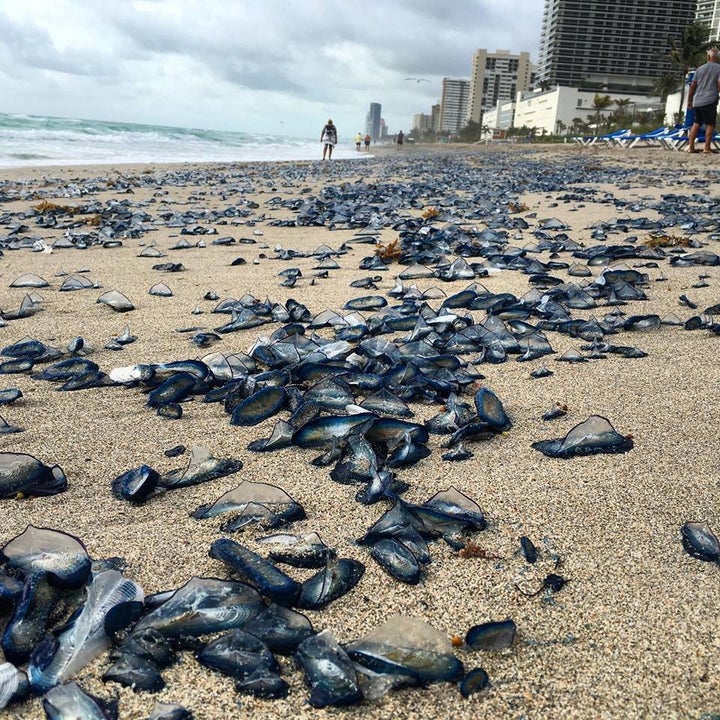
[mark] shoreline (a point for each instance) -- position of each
(633, 632)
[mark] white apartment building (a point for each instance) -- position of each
(454, 104)
(421, 122)
(708, 11)
(549, 109)
(496, 78)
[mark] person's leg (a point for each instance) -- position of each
(692, 135)
(330, 149)
(709, 132)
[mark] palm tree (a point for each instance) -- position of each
(666, 84)
(578, 126)
(621, 113)
(600, 103)
(690, 52)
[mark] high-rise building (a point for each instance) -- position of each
(708, 11)
(454, 104)
(435, 118)
(422, 122)
(496, 77)
(610, 45)
(372, 121)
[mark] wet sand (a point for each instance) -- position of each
(634, 632)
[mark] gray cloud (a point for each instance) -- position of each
(26, 44)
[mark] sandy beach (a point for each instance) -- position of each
(633, 632)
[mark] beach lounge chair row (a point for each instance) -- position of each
(671, 138)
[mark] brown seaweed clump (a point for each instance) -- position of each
(662, 240)
(391, 251)
(46, 206)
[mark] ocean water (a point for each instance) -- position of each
(27, 140)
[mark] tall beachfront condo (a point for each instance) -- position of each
(454, 104)
(435, 117)
(372, 121)
(496, 77)
(708, 11)
(611, 46)
(422, 122)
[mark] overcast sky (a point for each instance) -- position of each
(276, 66)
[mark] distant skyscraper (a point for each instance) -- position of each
(454, 104)
(496, 77)
(435, 118)
(708, 11)
(421, 122)
(610, 46)
(372, 121)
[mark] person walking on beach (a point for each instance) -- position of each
(328, 137)
(703, 99)
(400, 139)
(367, 142)
(358, 141)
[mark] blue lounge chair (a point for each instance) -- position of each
(652, 138)
(610, 138)
(680, 139)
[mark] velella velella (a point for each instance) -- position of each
(169, 711)
(76, 282)
(700, 541)
(7, 429)
(259, 406)
(491, 635)
(161, 290)
(117, 301)
(594, 435)
(337, 578)
(29, 280)
(474, 681)
(408, 647)
(397, 559)
(203, 606)
(14, 684)
(257, 571)
(112, 603)
(22, 474)
(202, 467)
(136, 485)
(307, 551)
(59, 556)
(252, 503)
(491, 410)
(282, 629)
(135, 672)
(247, 659)
(10, 395)
(70, 701)
(424, 353)
(174, 389)
(329, 672)
(146, 644)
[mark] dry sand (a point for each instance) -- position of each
(633, 634)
